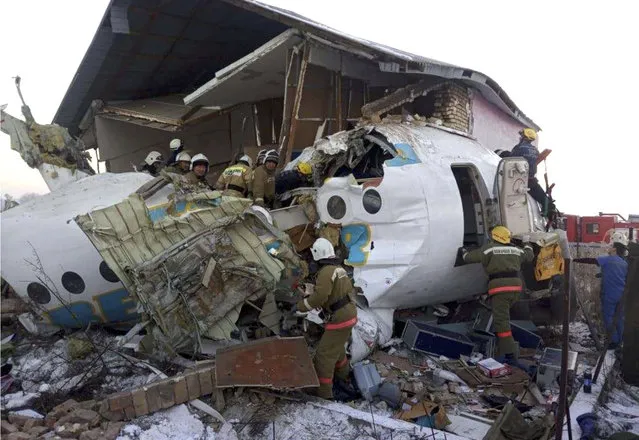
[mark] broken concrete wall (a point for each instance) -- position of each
(122, 144)
(491, 126)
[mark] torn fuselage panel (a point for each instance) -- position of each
(192, 263)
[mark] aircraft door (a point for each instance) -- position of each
(511, 190)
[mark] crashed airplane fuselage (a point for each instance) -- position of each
(403, 196)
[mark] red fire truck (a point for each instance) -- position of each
(598, 229)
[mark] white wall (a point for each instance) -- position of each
(492, 127)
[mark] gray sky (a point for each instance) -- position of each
(570, 66)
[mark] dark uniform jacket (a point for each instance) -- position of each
(289, 180)
(529, 152)
(197, 182)
(263, 186)
(502, 263)
(332, 285)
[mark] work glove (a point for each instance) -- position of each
(459, 261)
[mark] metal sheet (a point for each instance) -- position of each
(282, 363)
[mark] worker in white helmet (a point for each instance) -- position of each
(182, 164)
(153, 163)
(177, 146)
(199, 170)
(264, 180)
(237, 180)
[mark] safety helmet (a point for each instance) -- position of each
(501, 234)
(261, 155)
(321, 249)
(305, 168)
(200, 158)
(175, 144)
(529, 134)
(271, 155)
(619, 237)
(183, 157)
(246, 159)
(153, 157)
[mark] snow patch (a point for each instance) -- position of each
(18, 400)
(176, 423)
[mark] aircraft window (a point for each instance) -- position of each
(38, 293)
(107, 273)
(336, 207)
(372, 201)
(73, 282)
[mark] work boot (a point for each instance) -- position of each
(344, 391)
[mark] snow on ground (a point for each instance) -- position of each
(619, 413)
(176, 423)
(43, 367)
(18, 400)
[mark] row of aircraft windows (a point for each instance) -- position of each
(71, 281)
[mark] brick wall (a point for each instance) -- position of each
(452, 106)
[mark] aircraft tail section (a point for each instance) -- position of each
(58, 156)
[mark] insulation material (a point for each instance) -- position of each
(191, 263)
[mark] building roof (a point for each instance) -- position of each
(145, 48)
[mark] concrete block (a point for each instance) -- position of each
(94, 434)
(129, 413)
(120, 401)
(167, 398)
(180, 392)
(206, 382)
(7, 427)
(37, 430)
(139, 402)
(112, 430)
(153, 398)
(193, 385)
(32, 423)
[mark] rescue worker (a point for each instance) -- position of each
(528, 151)
(333, 293)
(614, 271)
(199, 170)
(153, 163)
(298, 177)
(236, 180)
(502, 262)
(176, 147)
(264, 180)
(260, 157)
(182, 164)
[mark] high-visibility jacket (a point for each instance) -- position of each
(236, 178)
(502, 264)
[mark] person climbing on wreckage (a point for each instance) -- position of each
(502, 262)
(334, 295)
(153, 163)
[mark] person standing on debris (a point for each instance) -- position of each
(199, 170)
(333, 293)
(528, 151)
(502, 262)
(176, 147)
(236, 180)
(264, 180)
(182, 164)
(614, 271)
(153, 163)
